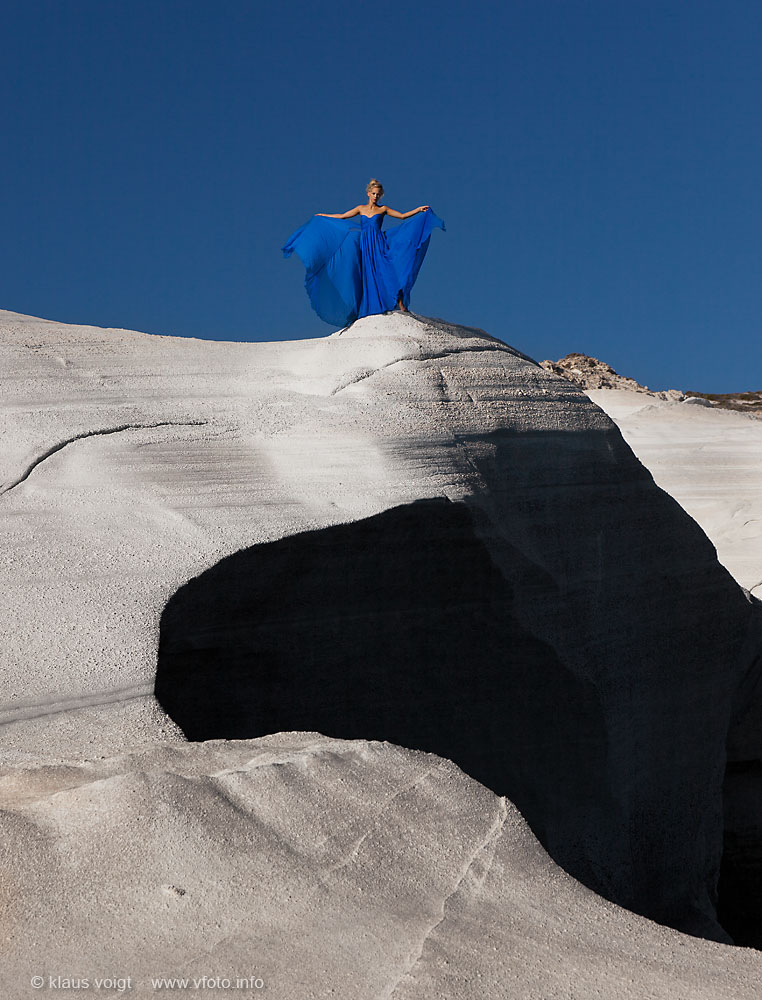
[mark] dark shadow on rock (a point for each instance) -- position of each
(740, 889)
(398, 627)
(643, 608)
(568, 639)
(740, 886)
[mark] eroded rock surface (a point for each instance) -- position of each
(135, 464)
(318, 868)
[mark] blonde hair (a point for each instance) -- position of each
(374, 183)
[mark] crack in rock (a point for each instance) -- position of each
(24, 711)
(353, 379)
(103, 432)
(354, 850)
(489, 841)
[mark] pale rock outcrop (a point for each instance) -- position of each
(297, 866)
(146, 477)
(710, 460)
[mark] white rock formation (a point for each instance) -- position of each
(600, 700)
(710, 463)
(131, 462)
(710, 460)
(318, 868)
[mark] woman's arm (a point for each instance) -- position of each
(406, 215)
(346, 215)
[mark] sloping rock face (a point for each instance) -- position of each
(710, 461)
(297, 866)
(274, 475)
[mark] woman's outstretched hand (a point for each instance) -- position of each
(424, 208)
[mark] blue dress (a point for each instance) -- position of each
(354, 269)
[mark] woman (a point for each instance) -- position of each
(353, 268)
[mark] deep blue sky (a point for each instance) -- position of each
(598, 166)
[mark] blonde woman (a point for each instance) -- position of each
(355, 269)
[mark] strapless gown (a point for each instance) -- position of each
(355, 269)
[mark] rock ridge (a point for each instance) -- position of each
(589, 373)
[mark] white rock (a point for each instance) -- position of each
(710, 461)
(314, 868)
(134, 463)
(696, 401)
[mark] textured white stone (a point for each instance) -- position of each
(132, 463)
(710, 460)
(325, 868)
(165, 454)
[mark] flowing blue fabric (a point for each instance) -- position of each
(354, 269)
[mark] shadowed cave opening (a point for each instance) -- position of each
(399, 627)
